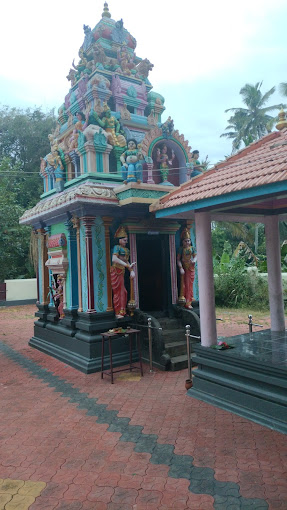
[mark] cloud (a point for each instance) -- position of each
(203, 53)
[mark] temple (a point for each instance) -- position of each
(103, 257)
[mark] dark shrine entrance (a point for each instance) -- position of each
(153, 272)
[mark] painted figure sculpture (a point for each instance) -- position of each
(186, 259)
(110, 124)
(58, 296)
(165, 163)
(197, 167)
(131, 160)
(81, 121)
(120, 261)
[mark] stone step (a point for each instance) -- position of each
(180, 362)
(167, 323)
(175, 348)
(173, 335)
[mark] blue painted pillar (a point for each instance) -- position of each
(73, 265)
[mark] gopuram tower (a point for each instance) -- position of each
(103, 258)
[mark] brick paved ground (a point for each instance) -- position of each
(72, 441)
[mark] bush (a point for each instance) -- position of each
(234, 287)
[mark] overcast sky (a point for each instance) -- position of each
(203, 53)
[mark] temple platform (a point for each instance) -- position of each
(249, 379)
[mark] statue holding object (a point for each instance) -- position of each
(186, 259)
(131, 160)
(120, 261)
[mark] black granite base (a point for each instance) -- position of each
(76, 339)
(249, 380)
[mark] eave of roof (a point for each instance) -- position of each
(258, 170)
(260, 191)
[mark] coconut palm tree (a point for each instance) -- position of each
(283, 88)
(254, 121)
(236, 131)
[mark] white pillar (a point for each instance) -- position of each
(205, 279)
(276, 302)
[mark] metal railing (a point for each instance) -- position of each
(251, 324)
(188, 337)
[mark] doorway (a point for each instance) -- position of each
(153, 273)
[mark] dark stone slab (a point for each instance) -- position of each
(76, 339)
(249, 380)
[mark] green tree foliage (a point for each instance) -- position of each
(235, 287)
(14, 239)
(233, 233)
(251, 123)
(23, 140)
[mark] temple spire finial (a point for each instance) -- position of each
(106, 13)
(282, 124)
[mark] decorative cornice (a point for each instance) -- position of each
(82, 193)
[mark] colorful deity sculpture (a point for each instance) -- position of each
(55, 161)
(165, 162)
(186, 259)
(81, 121)
(58, 296)
(131, 160)
(120, 261)
(110, 124)
(197, 168)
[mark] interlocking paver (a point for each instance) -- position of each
(136, 445)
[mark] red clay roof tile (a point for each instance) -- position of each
(262, 162)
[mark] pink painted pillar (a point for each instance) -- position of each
(205, 279)
(276, 302)
(133, 258)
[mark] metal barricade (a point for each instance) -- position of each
(251, 324)
(188, 337)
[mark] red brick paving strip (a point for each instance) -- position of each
(46, 438)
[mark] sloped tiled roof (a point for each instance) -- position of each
(262, 163)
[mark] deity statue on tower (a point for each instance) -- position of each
(131, 160)
(165, 162)
(110, 124)
(186, 259)
(120, 261)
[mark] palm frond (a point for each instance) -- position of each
(283, 88)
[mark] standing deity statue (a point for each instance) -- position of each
(165, 162)
(186, 259)
(58, 296)
(131, 160)
(110, 124)
(120, 261)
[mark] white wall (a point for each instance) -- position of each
(18, 290)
